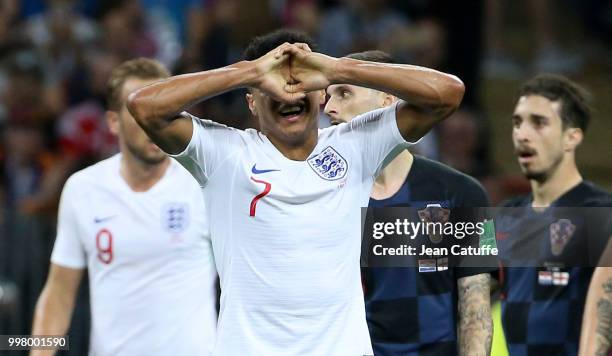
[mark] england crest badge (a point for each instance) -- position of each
(329, 164)
(175, 217)
(560, 234)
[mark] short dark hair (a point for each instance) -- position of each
(140, 68)
(263, 44)
(372, 56)
(575, 108)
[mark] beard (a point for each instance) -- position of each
(543, 175)
(145, 157)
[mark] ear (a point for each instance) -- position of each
(323, 95)
(251, 101)
(112, 119)
(572, 138)
(387, 99)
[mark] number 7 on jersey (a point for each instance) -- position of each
(266, 191)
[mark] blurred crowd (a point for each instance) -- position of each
(56, 56)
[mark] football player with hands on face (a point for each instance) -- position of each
(287, 243)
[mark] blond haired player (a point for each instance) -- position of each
(136, 222)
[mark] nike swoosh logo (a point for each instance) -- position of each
(99, 220)
(260, 171)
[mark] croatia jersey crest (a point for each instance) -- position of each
(328, 164)
(434, 213)
(175, 217)
(560, 234)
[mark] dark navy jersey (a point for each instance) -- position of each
(411, 312)
(542, 304)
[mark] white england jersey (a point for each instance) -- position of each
(149, 259)
(286, 234)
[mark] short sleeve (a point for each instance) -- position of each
(474, 194)
(68, 250)
(475, 198)
(599, 225)
(377, 138)
(462, 272)
(211, 143)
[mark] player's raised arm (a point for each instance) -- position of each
(428, 96)
(157, 107)
(56, 303)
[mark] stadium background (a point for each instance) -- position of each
(56, 55)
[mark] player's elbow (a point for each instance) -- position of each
(138, 106)
(53, 310)
(148, 112)
(451, 95)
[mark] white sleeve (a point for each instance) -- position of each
(377, 138)
(68, 250)
(211, 143)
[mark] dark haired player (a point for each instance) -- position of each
(413, 311)
(285, 222)
(542, 306)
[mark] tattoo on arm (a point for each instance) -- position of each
(604, 320)
(475, 326)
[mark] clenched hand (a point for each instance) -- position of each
(289, 71)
